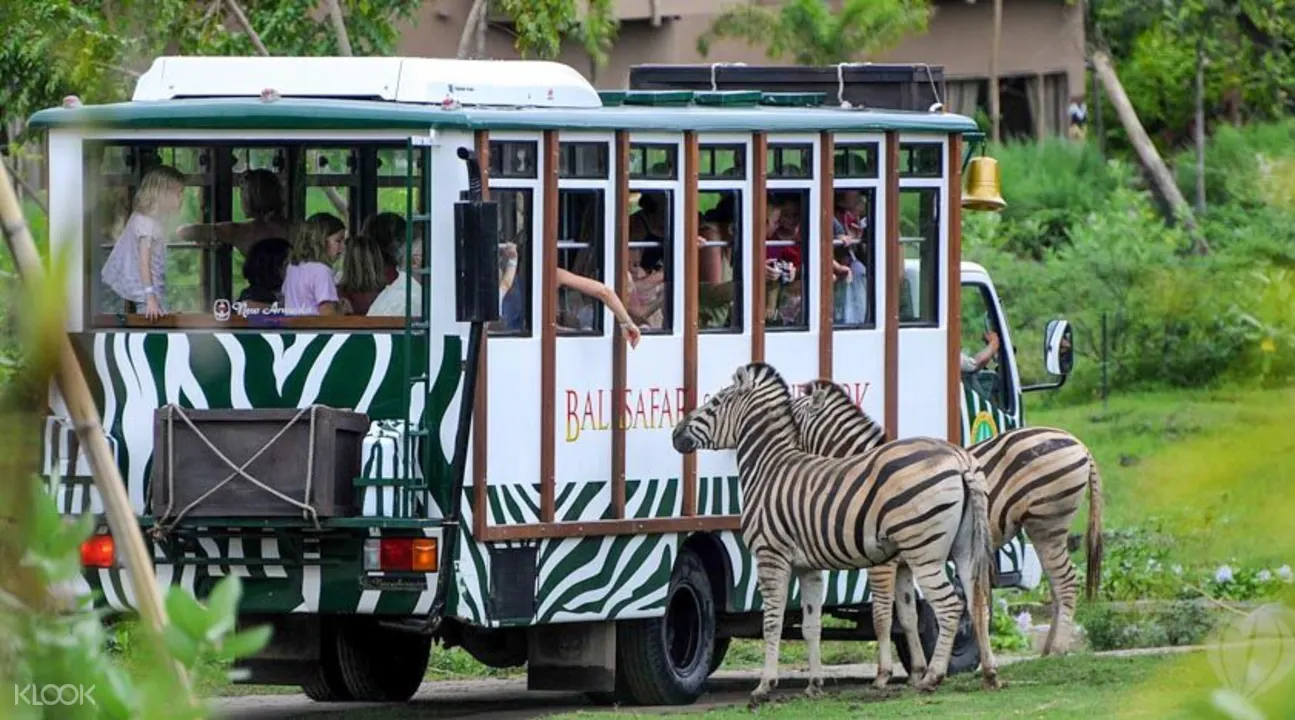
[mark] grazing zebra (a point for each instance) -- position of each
(1036, 477)
(918, 500)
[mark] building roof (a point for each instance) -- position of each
(345, 114)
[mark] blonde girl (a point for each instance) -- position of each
(308, 284)
(136, 267)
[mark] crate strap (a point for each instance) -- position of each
(306, 509)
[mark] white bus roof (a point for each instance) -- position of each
(512, 83)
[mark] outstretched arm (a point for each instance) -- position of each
(603, 293)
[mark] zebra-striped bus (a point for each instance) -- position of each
(619, 253)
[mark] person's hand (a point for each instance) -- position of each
(632, 333)
(152, 309)
(771, 270)
(991, 339)
(509, 250)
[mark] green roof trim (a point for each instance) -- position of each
(728, 98)
(658, 98)
(612, 98)
(316, 114)
(793, 99)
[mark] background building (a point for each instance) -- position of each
(1041, 58)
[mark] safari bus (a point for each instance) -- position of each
(484, 461)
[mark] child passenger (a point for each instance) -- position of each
(308, 284)
(136, 268)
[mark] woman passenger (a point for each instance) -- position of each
(363, 274)
(388, 229)
(308, 285)
(391, 301)
(262, 198)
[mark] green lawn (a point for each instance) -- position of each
(1079, 687)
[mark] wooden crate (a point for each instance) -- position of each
(240, 434)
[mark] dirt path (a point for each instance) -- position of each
(510, 700)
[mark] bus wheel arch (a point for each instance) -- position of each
(719, 569)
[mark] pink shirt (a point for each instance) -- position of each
(306, 285)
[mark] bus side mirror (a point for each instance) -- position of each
(476, 250)
(1058, 352)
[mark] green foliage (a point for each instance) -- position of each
(53, 48)
(542, 26)
(1005, 635)
(1081, 239)
(811, 33)
(1171, 624)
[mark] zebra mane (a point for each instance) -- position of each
(829, 394)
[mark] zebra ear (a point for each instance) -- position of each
(817, 395)
(742, 376)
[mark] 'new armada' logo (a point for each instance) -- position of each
(983, 427)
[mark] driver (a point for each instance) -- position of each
(972, 364)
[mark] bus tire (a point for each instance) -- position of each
(326, 683)
(380, 664)
(666, 660)
(965, 656)
(718, 653)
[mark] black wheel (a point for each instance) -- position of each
(379, 664)
(965, 656)
(326, 683)
(717, 654)
(665, 660)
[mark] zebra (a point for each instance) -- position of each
(918, 500)
(1035, 478)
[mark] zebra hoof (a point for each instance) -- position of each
(758, 698)
(883, 679)
(991, 683)
(928, 683)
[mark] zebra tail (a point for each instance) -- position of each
(1093, 539)
(982, 545)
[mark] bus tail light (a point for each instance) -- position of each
(98, 552)
(401, 554)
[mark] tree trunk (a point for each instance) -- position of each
(246, 26)
(995, 115)
(1200, 125)
(470, 29)
(339, 27)
(483, 23)
(1164, 182)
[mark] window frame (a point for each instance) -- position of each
(940, 185)
(1005, 369)
(737, 321)
(808, 187)
(223, 191)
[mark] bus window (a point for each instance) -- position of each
(787, 260)
(581, 242)
(984, 367)
(854, 252)
(516, 221)
(651, 223)
(720, 260)
(919, 231)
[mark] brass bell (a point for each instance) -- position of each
(984, 188)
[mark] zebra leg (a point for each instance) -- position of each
(906, 611)
(811, 626)
(977, 590)
(948, 608)
(881, 579)
(773, 575)
(1055, 558)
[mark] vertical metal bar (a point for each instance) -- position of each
(620, 206)
(691, 164)
(826, 278)
(893, 276)
(953, 380)
(548, 326)
(760, 218)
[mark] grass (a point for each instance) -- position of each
(1078, 687)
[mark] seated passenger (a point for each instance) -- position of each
(363, 274)
(308, 284)
(264, 270)
(388, 229)
(647, 285)
(262, 198)
(391, 301)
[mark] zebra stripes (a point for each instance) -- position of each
(1035, 477)
(918, 500)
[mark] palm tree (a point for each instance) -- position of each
(812, 34)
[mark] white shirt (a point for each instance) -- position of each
(391, 301)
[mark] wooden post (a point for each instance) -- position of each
(1146, 150)
(995, 113)
(80, 403)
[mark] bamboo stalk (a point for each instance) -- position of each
(75, 390)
